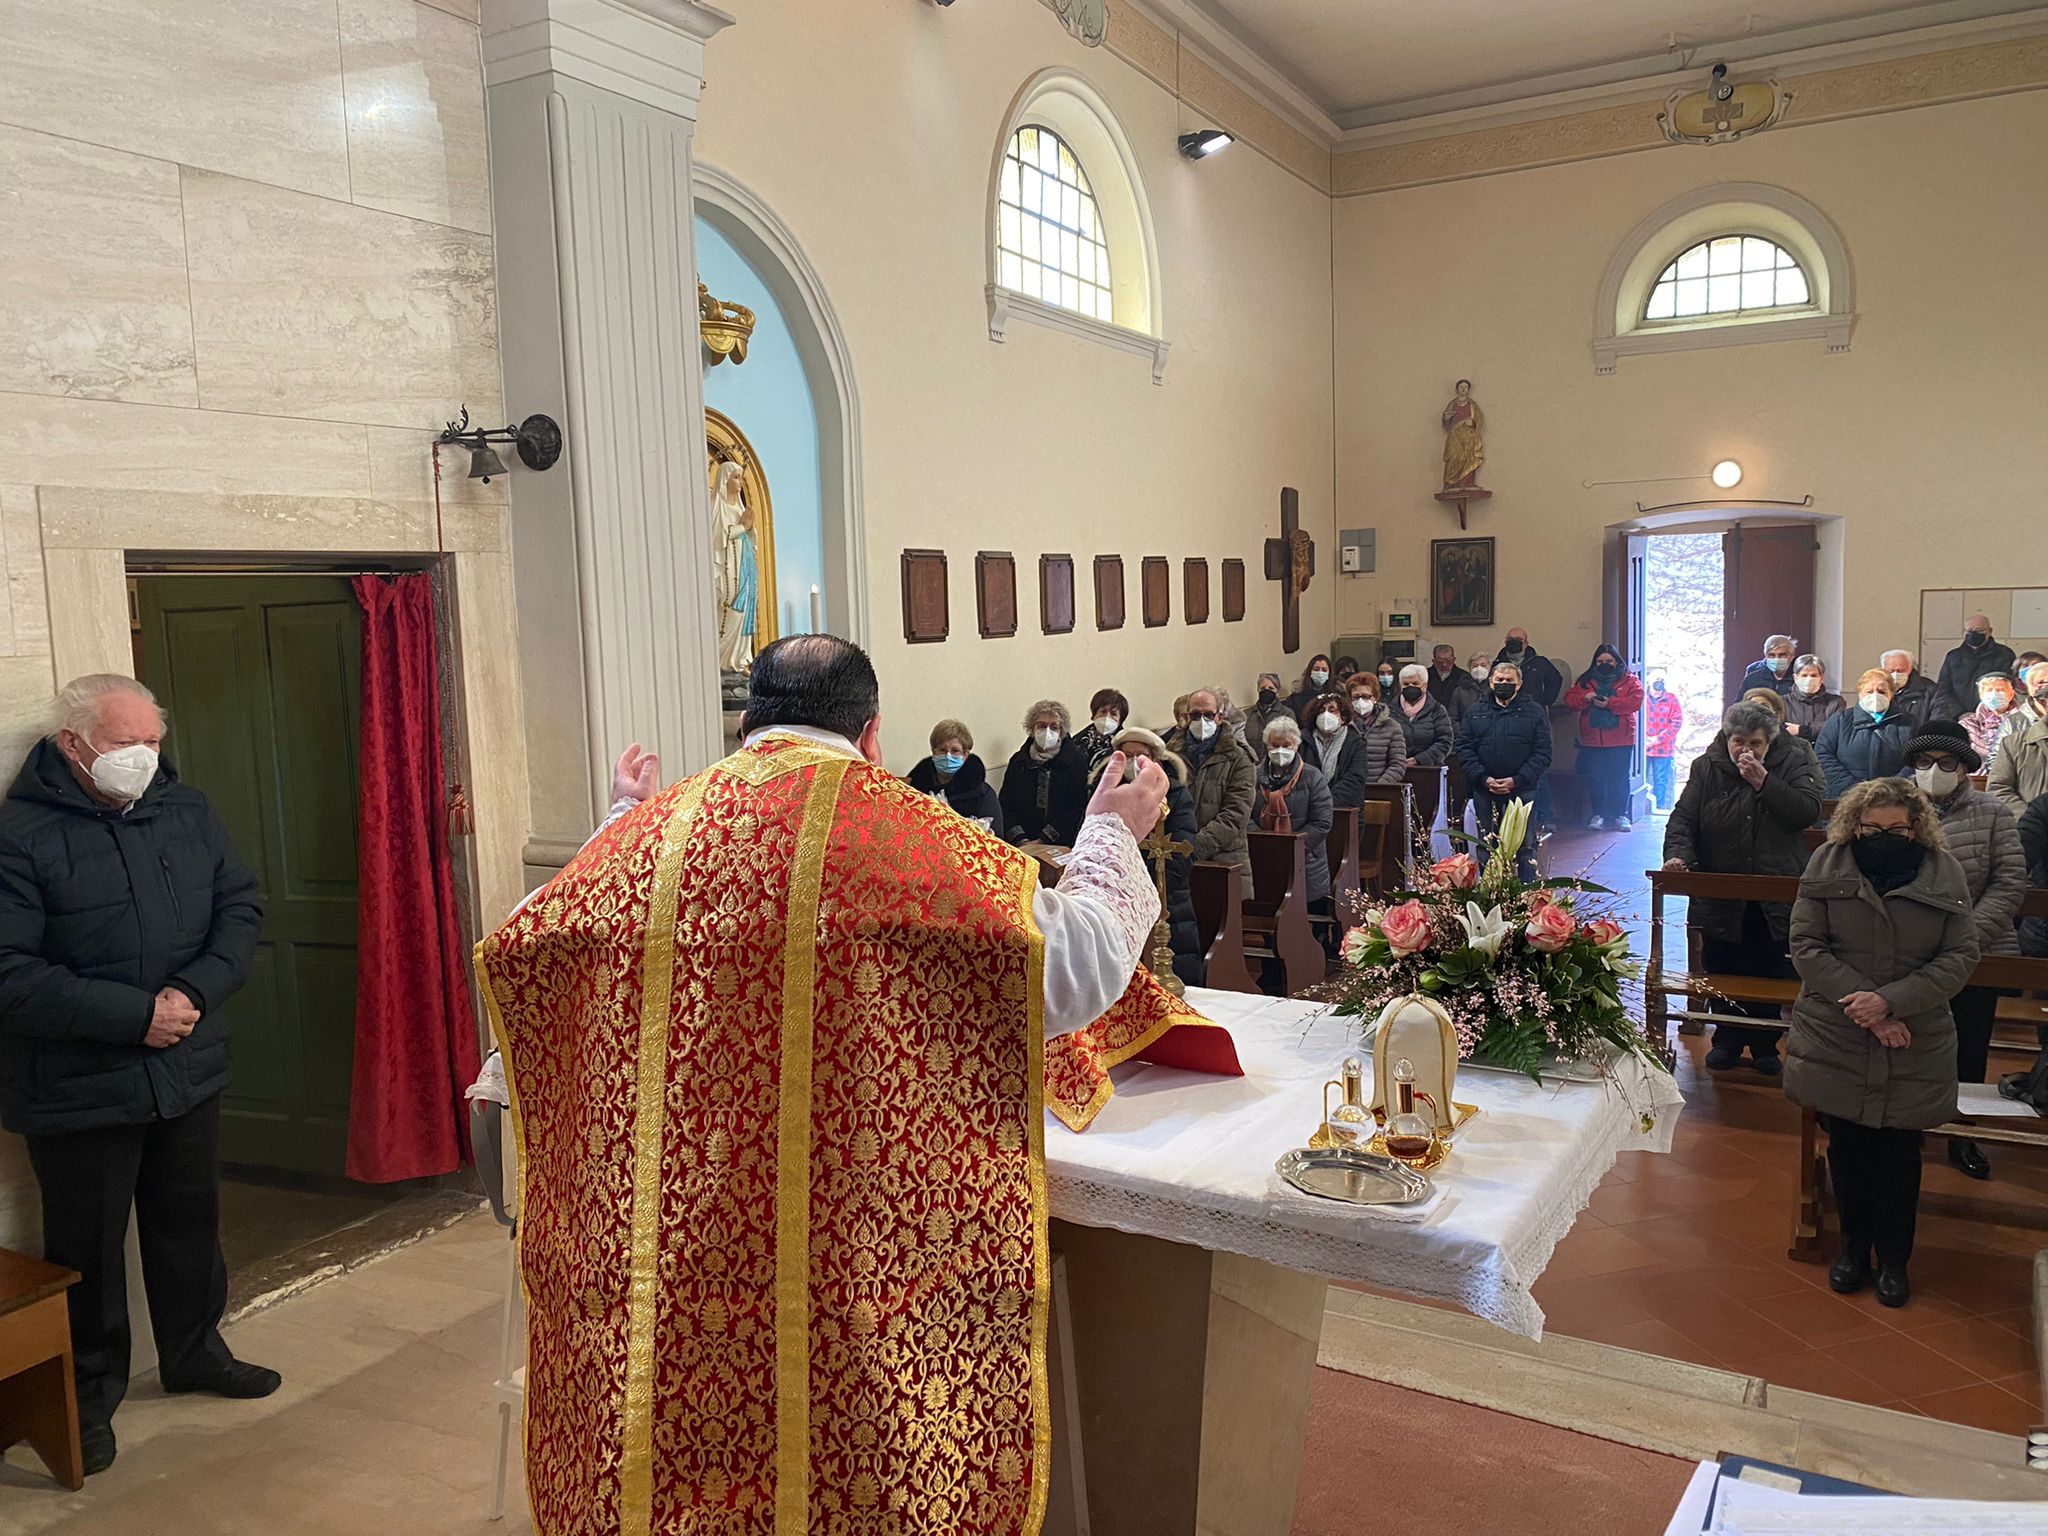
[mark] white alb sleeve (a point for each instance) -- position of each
(1096, 923)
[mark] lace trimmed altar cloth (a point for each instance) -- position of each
(1190, 1159)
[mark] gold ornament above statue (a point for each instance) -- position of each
(726, 327)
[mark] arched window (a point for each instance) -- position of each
(1070, 238)
(1050, 243)
(1728, 264)
(1729, 275)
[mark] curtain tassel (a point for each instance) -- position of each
(461, 820)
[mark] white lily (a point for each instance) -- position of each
(1485, 930)
(1514, 829)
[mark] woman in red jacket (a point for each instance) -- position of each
(1608, 698)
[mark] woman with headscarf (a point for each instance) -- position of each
(1315, 677)
(1883, 937)
(1607, 698)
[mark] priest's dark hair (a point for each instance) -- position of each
(817, 680)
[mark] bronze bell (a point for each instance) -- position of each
(484, 463)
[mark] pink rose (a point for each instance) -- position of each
(1460, 872)
(1406, 928)
(1604, 931)
(1550, 929)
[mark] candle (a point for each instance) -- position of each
(817, 614)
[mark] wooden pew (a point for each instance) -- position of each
(1389, 866)
(1276, 922)
(1218, 894)
(1344, 853)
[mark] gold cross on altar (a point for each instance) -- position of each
(1158, 847)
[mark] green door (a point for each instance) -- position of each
(261, 677)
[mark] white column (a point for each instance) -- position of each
(593, 105)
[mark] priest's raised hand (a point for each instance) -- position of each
(1136, 804)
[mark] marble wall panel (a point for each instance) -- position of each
(305, 307)
(86, 518)
(50, 440)
(413, 82)
(27, 628)
(494, 719)
(248, 87)
(402, 469)
(88, 612)
(466, 9)
(92, 242)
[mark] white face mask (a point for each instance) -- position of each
(1319, 677)
(1046, 737)
(1281, 756)
(125, 773)
(1328, 721)
(1899, 679)
(1481, 673)
(1360, 704)
(1105, 725)
(1937, 783)
(1202, 729)
(1807, 684)
(1874, 703)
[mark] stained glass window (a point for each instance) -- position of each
(1729, 275)
(1050, 243)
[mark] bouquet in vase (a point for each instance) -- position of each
(1528, 975)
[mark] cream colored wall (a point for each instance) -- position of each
(1924, 438)
(1045, 443)
(245, 274)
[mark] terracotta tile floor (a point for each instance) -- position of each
(1686, 1255)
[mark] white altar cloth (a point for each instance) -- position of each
(1190, 1159)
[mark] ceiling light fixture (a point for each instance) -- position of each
(537, 439)
(1722, 90)
(1727, 474)
(1204, 142)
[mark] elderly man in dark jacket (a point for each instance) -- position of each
(126, 922)
(1955, 692)
(1744, 811)
(1505, 747)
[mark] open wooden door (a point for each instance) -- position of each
(1767, 590)
(1625, 617)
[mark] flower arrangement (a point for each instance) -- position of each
(1526, 975)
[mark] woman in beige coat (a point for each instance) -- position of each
(1882, 936)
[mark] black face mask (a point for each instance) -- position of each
(1605, 669)
(2040, 691)
(1268, 698)
(1411, 693)
(1516, 647)
(1504, 691)
(1973, 639)
(1888, 859)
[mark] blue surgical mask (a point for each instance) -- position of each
(948, 763)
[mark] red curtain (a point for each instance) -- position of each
(416, 1044)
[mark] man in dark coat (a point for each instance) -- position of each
(126, 922)
(1775, 670)
(1955, 692)
(1543, 683)
(1744, 811)
(1505, 747)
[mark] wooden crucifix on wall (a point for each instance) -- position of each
(1291, 561)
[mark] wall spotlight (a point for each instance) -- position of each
(1204, 142)
(537, 440)
(1727, 474)
(1722, 90)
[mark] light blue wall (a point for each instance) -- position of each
(769, 399)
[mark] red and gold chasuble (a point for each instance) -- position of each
(775, 1047)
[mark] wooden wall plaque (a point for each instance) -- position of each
(995, 593)
(1109, 591)
(1233, 591)
(1194, 600)
(1056, 594)
(925, 617)
(1155, 591)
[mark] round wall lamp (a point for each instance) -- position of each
(1727, 474)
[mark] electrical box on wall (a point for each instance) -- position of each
(1397, 621)
(1358, 551)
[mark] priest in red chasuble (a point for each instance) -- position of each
(775, 1045)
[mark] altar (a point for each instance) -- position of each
(1189, 1281)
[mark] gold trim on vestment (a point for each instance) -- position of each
(1041, 1233)
(756, 768)
(793, 1154)
(1078, 1119)
(657, 999)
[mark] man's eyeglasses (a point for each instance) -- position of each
(1202, 714)
(1945, 764)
